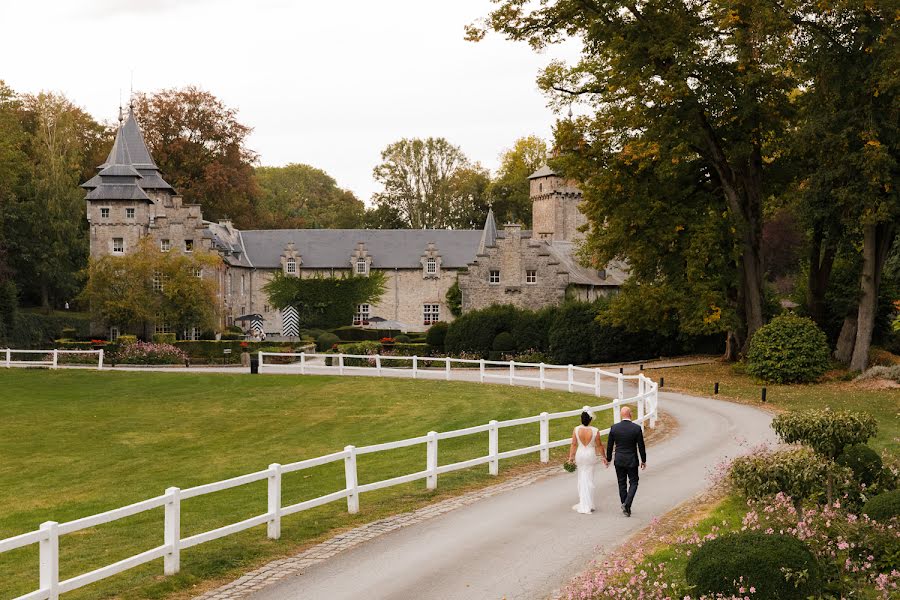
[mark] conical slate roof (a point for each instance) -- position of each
(130, 143)
(118, 179)
(489, 233)
(544, 171)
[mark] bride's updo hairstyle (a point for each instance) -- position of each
(586, 419)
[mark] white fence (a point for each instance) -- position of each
(47, 537)
(45, 358)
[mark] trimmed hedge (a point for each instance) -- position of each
(326, 341)
(789, 349)
(504, 342)
(720, 564)
(437, 334)
(163, 338)
(34, 330)
(863, 461)
(210, 351)
(883, 507)
(356, 334)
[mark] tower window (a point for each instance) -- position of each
(494, 276)
(165, 245)
(531, 276)
(129, 213)
(118, 246)
(104, 213)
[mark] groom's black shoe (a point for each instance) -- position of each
(625, 511)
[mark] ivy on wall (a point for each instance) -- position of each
(325, 302)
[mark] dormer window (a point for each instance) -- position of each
(362, 266)
(431, 266)
(290, 266)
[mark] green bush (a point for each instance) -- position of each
(401, 339)
(231, 335)
(797, 472)
(572, 334)
(883, 507)
(410, 349)
(163, 338)
(863, 461)
(313, 333)
(362, 348)
(36, 330)
(69, 333)
(437, 334)
(212, 351)
(789, 349)
(326, 341)
(504, 342)
(356, 334)
(826, 431)
(532, 329)
(234, 329)
(780, 567)
(474, 331)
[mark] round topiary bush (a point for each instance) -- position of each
(326, 341)
(790, 349)
(883, 507)
(436, 335)
(504, 342)
(401, 339)
(753, 559)
(863, 461)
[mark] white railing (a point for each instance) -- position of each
(47, 537)
(46, 358)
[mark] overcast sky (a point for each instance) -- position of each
(324, 83)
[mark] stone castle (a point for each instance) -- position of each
(128, 200)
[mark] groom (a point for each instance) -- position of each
(628, 438)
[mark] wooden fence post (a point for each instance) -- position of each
(571, 379)
(543, 381)
(448, 368)
(431, 460)
(545, 437)
(172, 533)
(341, 363)
(415, 367)
(274, 526)
(378, 364)
(8, 358)
(621, 387)
(352, 481)
(100, 363)
(303, 363)
(481, 370)
(512, 372)
(55, 358)
(597, 382)
(49, 559)
(493, 448)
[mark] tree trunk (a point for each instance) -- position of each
(877, 241)
(45, 297)
(732, 347)
(846, 340)
(821, 261)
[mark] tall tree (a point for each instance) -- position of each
(200, 146)
(681, 80)
(301, 196)
(509, 191)
(13, 166)
(424, 182)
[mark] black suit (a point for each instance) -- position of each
(628, 438)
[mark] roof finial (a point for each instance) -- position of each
(131, 92)
(570, 110)
(121, 118)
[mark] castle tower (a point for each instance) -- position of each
(554, 201)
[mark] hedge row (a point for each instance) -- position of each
(570, 333)
(34, 330)
(204, 351)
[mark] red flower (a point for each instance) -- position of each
(387, 340)
(244, 344)
(98, 342)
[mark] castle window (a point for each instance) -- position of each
(129, 213)
(363, 312)
(242, 286)
(118, 246)
(104, 213)
(165, 245)
(530, 276)
(157, 281)
(494, 276)
(266, 308)
(161, 326)
(540, 187)
(188, 245)
(361, 266)
(431, 266)
(113, 334)
(198, 272)
(431, 313)
(290, 266)
(192, 333)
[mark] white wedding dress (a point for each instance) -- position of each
(585, 460)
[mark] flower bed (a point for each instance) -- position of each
(148, 353)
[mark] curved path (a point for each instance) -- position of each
(528, 543)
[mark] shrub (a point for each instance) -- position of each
(212, 351)
(313, 333)
(357, 334)
(879, 357)
(126, 339)
(532, 329)
(863, 461)
(410, 349)
(34, 330)
(825, 431)
(436, 335)
(789, 349)
(163, 338)
(363, 348)
(326, 341)
(881, 372)
(234, 329)
(504, 342)
(69, 333)
(571, 336)
(796, 472)
(778, 566)
(474, 331)
(231, 335)
(401, 339)
(148, 353)
(454, 299)
(883, 507)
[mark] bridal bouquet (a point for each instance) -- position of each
(569, 466)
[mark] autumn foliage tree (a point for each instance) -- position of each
(200, 146)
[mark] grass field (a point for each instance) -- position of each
(76, 443)
(883, 404)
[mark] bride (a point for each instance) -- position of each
(585, 450)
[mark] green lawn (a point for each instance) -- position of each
(883, 404)
(75, 443)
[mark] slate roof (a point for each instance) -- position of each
(544, 171)
(129, 148)
(117, 179)
(489, 233)
(389, 248)
(614, 274)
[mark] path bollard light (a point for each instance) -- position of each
(254, 366)
(642, 367)
(621, 370)
(662, 382)
(716, 388)
(763, 394)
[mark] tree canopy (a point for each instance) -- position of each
(301, 196)
(509, 191)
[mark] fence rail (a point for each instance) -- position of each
(50, 358)
(47, 537)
